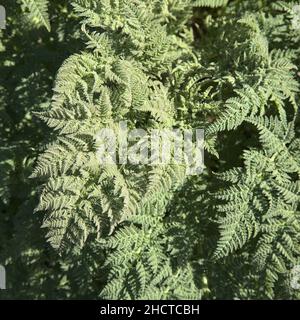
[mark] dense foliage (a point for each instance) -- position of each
(71, 228)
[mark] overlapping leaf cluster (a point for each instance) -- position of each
(73, 228)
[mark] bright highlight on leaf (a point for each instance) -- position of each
(37, 11)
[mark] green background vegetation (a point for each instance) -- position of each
(71, 229)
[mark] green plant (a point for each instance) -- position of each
(120, 231)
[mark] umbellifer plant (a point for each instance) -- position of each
(72, 227)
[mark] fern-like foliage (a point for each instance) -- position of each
(129, 71)
(210, 3)
(93, 92)
(37, 11)
(74, 227)
(139, 263)
(263, 202)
